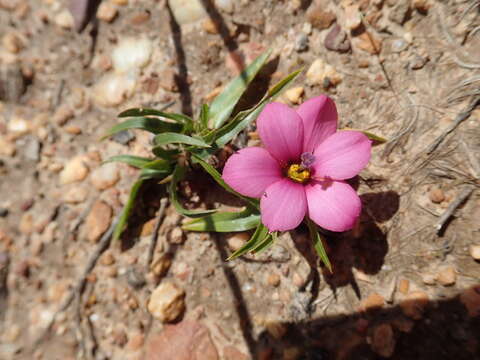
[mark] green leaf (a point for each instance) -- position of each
(174, 138)
(152, 125)
(375, 138)
(135, 161)
(178, 175)
(180, 118)
(244, 118)
(223, 105)
(218, 178)
(266, 243)
(225, 222)
(127, 209)
(156, 169)
(204, 117)
(318, 244)
(169, 155)
(260, 234)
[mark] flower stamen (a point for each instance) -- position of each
(298, 173)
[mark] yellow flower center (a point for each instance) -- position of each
(298, 173)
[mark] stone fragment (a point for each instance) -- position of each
(321, 73)
(131, 54)
(353, 18)
(12, 43)
(64, 19)
(161, 265)
(294, 95)
(106, 12)
(176, 236)
(318, 16)
(62, 114)
(187, 11)
(403, 286)
(227, 6)
(372, 302)
(422, 6)
(447, 276)
(167, 302)
(7, 148)
(383, 340)
(399, 12)
(273, 279)
(237, 240)
(75, 195)
(114, 89)
(187, 340)
(337, 40)
(414, 304)
(475, 251)
(12, 82)
(368, 42)
(74, 171)
(98, 220)
(105, 176)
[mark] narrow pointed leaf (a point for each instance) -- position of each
(156, 169)
(135, 161)
(225, 222)
(260, 234)
(180, 118)
(169, 155)
(265, 244)
(218, 178)
(204, 116)
(375, 138)
(223, 105)
(318, 244)
(174, 138)
(127, 210)
(153, 125)
(223, 135)
(178, 175)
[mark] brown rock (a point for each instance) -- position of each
(414, 304)
(436, 195)
(167, 302)
(353, 18)
(210, 26)
(140, 18)
(273, 279)
(237, 240)
(105, 176)
(74, 171)
(107, 259)
(421, 5)
(403, 286)
(176, 236)
(471, 299)
(188, 340)
(318, 16)
(98, 220)
(161, 265)
(383, 341)
(372, 302)
(368, 42)
(447, 276)
(12, 43)
(337, 40)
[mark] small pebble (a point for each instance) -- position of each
(373, 301)
(167, 302)
(474, 251)
(273, 279)
(294, 95)
(447, 276)
(436, 195)
(403, 286)
(237, 240)
(398, 45)
(414, 304)
(106, 12)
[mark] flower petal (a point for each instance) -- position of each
(342, 156)
(333, 205)
(319, 116)
(251, 170)
(281, 131)
(283, 206)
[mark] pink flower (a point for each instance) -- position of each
(301, 170)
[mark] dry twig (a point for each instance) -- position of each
(439, 225)
(458, 120)
(154, 238)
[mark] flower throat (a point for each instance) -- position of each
(301, 172)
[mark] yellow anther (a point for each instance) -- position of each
(298, 174)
